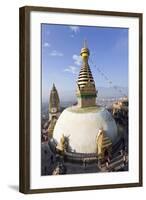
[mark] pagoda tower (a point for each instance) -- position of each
(54, 110)
(86, 90)
(54, 103)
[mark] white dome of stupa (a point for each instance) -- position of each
(81, 126)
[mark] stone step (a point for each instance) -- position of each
(116, 164)
(116, 158)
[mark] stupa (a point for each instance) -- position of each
(81, 123)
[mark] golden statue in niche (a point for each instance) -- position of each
(103, 143)
(61, 145)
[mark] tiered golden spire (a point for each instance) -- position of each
(85, 74)
(85, 84)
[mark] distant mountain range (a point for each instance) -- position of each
(110, 92)
(103, 92)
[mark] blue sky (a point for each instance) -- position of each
(61, 62)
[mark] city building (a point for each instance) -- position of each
(121, 106)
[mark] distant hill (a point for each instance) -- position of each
(108, 92)
(103, 92)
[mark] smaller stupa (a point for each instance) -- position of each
(54, 110)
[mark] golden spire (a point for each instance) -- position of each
(85, 74)
(85, 52)
(86, 91)
(85, 44)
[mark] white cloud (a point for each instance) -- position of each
(56, 53)
(46, 44)
(74, 69)
(71, 69)
(77, 59)
(74, 29)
